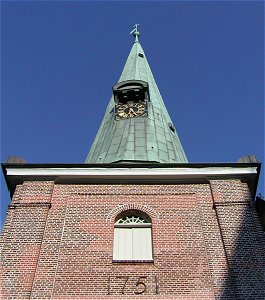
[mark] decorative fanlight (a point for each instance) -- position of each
(132, 220)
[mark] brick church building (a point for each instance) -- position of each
(136, 220)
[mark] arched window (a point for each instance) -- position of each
(133, 237)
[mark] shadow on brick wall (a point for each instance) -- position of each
(260, 205)
(244, 245)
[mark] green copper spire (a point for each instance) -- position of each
(136, 126)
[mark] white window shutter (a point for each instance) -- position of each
(122, 244)
(142, 244)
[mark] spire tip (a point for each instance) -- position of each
(135, 32)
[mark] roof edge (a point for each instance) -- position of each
(132, 165)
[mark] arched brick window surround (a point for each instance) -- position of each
(112, 215)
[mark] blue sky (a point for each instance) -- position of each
(61, 59)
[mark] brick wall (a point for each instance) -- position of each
(22, 237)
(207, 242)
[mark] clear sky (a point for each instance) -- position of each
(61, 59)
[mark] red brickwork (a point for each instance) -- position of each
(207, 242)
(22, 238)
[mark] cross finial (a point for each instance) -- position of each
(135, 32)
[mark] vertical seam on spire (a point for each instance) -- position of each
(121, 139)
(133, 70)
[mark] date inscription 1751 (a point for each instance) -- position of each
(133, 285)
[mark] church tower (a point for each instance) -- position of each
(136, 126)
(136, 220)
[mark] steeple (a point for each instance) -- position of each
(136, 126)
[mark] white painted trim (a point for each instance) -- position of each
(131, 172)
